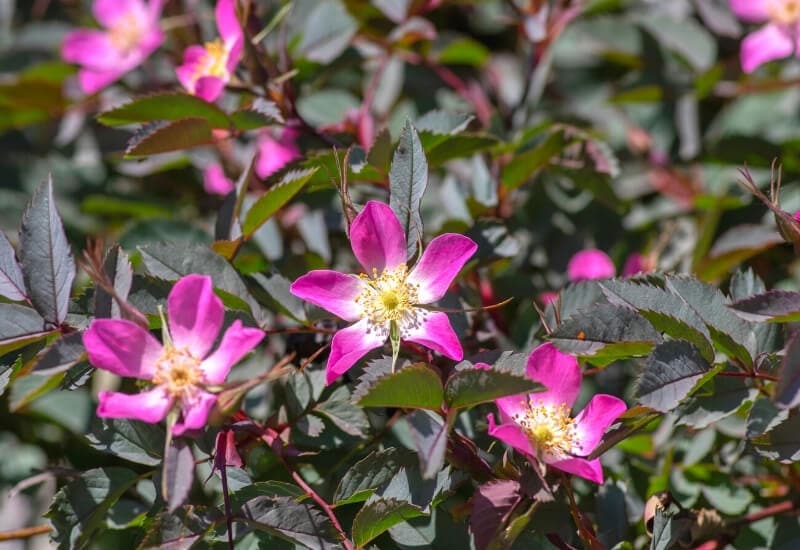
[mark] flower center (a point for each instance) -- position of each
(178, 371)
(214, 61)
(549, 427)
(388, 296)
(784, 12)
(126, 33)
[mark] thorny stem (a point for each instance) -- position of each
(222, 449)
(320, 501)
(583, 531)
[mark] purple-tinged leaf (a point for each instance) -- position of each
(492, 505)
(430, 439)
(371, 474)
(117, 266)
(164, 106)
(46, 257)
(163, 137)
(12, 284)
(787, 394)
(408, 179)
(19, 324)
(672, 372)
(177, 474)
(294, 521)
(62, 355)
(776, 306)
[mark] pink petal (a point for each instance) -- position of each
(377, 238)
(149, 406)
(227, 21)
(209, 87)
(590, 264)
(93, 81)
(633, 265)
(215, 182)
(107, 12)
(435, 332)
(595, 418)
(558, 371)
(188, 70)
(274, 154)
(512, 435)
(332, 291)
(754, 11)
(90, 48)
(766, 44)
(587, 469)
(511, 405)
(439, 265)
(234, 54)
(194, 409)
(349, 345)
(121, 347)
(237, 342)
(195, 314)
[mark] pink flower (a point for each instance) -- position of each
(131, 34)
(590, 264)
(215, 182)
(539, 425)
(775, 40)
(388, 294)
(638, 263)
(274, 154)
(181, 369)
(206, 69)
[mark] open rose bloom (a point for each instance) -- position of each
(182, 369)
(775, 40)
(207, 69)
(540, 425)
(387, 292)
(130, 34)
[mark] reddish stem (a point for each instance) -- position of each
(760, 375)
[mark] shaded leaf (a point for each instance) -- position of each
(293, 521)
(470, 387)
(416, 386)
(787, 393)
(12, 285)
(132, 440)
(19, 324)
(165, 106)
(491, 507)
(408, 178)
(719, 398)
(177, 473)
(269, 488)
(781, 443)
(62, 355)
(370, 474)
(260, 113)
(776, 306)
(430, 439)
(378, 515)
(327, 31)
(526, 165)
(735, 246)
(672, 371)
(347, 417)
(177, 135)
(117, 267)
(46, 257)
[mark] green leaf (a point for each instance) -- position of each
(735, 246)
(164, 137)
(274, 199)
(775, 306)
(464, 51)
(461, 145)
(370, 474)
(526, 165)
(177, 473)
(719, 398)
(293, 521)
(666, 311)
(781, 443)
(473, 386)
(19, 325)
(378, 515)
(441, 123)
(12, 284)
(327, 31)
(132, 440)
(670, 530)
(269, 488)
(606, 331)
(429, 433)
(165, 106)
(260, 113)
(416, 386)
(408, 178)
(349, 418)
(672, 372)
(46, 257)
(80, 507)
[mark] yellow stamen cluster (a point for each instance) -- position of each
(214, 61)
(126, 33)
(550, 428)
(784, 12)
(178, 371)
(388, 296)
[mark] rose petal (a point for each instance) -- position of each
(187, 72)
(439, 265)
(332, 291)
(209, 88)
(108, 12)
(590, 264)
(122, 347)
(595, 418)
(435, 332)
(93, 81)
(274, 154)
(195, 314)
(349, 345)
(227, 21)
(512, 435)
(377, 238)
(149, 406)
(234, 54)
(194, 409)
(754, 11)
(90, 48)
(237, 342)
(587, 469)
(558, 371)
(215, 182)
(766, 44)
